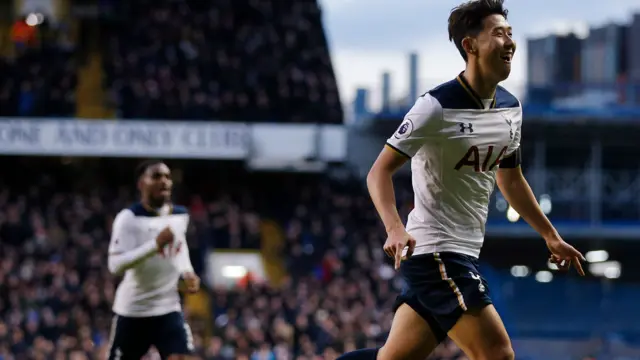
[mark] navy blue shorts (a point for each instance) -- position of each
(132, 337)
(441, 287)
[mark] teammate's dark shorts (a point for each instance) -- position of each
(132, 337)
(441, 287)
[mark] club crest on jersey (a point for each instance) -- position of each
(510, 129)
(405, 130)
(509, 122)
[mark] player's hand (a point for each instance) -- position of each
(164, 238)
(397, 240)
(192, 281)
(564, 255)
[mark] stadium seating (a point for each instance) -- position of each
(39, 78)
(226, 60)
(56, 291)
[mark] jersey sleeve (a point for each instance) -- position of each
(182, 261)
(121, 231)
(421, 123)
(124, 251)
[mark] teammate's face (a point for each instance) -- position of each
(156, 183)
(496, 47)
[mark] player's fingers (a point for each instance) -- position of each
(398, 255)
(388, 251)
(391, 252)
(578, 255)
(578, 266)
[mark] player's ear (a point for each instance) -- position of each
(469, 45)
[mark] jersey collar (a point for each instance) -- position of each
(155, 212)
(474, 96)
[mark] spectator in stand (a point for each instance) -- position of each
(257, 61)
(40, 79)
(23, 35)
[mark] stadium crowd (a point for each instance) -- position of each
(56, 291)
(259, 61)
(39, 75)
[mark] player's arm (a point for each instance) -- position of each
(122, 254)
(516, 190)
(518, 193)
(380, 185)
(182, 262)
(417, 127)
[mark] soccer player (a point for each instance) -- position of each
(148, 246)
(461, 137)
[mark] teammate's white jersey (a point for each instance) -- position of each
(150, 283)
(456, 142)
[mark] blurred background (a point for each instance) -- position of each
(271, 113)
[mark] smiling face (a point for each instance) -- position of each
(494, 48)
(155, 184)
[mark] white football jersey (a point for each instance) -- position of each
(456, 142)
(150, 287)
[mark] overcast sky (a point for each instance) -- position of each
(368, 37)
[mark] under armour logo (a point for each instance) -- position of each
(477, 277)
(464, 127)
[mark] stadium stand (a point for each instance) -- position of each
(226, 60)
(39, 73)
(57, 291)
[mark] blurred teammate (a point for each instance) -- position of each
(461, 137)
(148, 245)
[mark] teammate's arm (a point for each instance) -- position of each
(182, 262)
(123, 254)
(416, 128)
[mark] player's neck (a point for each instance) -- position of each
(483, 87)
(153, 205)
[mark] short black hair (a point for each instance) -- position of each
(467, 20)
(143, 166)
